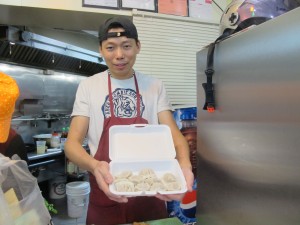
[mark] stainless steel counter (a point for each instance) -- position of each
(48, 165)
(52, 152)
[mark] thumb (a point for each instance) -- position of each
(105, 172)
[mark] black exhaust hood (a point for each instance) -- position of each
(29, 49)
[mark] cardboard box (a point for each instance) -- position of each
(141, 146)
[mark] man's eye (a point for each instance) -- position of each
(127, 46)
(109, 48)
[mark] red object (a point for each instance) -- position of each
(189, 197)
(173, 7)
(210, 109)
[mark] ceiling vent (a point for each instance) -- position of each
(34, 50)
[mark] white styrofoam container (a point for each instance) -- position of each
(139, 146)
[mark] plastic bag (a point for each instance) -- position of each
(21, 202)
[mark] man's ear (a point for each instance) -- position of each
(138, 44)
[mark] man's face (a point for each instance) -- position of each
(120, 54)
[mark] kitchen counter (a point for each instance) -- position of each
(48, 165)
(48, 157)
(49, 153)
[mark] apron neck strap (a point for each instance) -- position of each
(111, 105)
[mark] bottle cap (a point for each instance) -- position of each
(189, 114)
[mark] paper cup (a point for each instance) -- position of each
(40, 147)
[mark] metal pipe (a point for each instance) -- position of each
(33, 119)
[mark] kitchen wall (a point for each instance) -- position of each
(45, 102)
(76, 5)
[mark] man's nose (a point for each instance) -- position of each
(120, 53)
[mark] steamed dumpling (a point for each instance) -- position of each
(169, 177)
(124, 174)
(150, 179)
(146, 172)
(173, 186)
(136, 179)
(124, 186)
(157, 186)
(142, 187)
(117, 179)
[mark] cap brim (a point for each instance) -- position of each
(4, 129)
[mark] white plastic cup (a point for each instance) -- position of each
(40, 147)
(77, 198)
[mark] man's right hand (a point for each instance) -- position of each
(104, 178)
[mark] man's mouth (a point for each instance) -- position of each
(120, 65)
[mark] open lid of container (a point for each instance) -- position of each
(141, 142)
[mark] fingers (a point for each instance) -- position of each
(104, 178)
(189, 178)
(102, 169)
(162, 197)
(117, 198)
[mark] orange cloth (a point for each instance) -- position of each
(9, 93)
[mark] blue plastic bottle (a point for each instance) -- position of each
(189, 131)
(185, 210)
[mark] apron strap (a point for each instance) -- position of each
(111, 105)
(138, 102)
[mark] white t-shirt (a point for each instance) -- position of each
(92, 101)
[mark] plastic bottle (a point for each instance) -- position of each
(71, 167)
(187, 207)
(189, 131)
(63, 138)
(185, 210)
(55, 140)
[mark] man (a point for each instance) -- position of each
(10, 142)
(120, 96)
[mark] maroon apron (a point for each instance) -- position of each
(102, 210)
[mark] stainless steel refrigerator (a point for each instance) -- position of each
(249, 148)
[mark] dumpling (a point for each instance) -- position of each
(124, 186)
(124, 174)
(150, 179)
(117, 179)
(142, 187)
(157, 186)
(136, 179)
(173, 186)
(146, 171)
(169, 177)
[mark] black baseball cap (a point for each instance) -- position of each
(114, 22)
